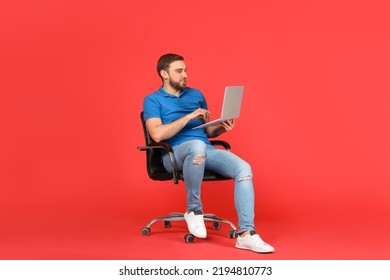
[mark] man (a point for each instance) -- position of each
(170, 113)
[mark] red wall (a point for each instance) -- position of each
(314, 125)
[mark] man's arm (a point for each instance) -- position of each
(159, 131)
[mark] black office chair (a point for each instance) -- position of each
(156, 171)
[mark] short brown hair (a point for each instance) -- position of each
(165, 60)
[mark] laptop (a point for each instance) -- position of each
(230, 107)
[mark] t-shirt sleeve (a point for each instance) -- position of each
(151, 108)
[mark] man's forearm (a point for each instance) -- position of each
(166, 131)
(215, 131)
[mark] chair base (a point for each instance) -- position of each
(176, 216)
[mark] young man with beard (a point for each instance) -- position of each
(170, 113)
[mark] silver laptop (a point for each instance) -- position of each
(231, 105)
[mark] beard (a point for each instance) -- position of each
(178, 85)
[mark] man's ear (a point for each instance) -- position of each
(164, 74)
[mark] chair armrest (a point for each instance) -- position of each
(156, 145)
(222, 143)
(166, 147)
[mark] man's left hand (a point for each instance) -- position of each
(228, 125)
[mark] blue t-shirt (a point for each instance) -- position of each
(169, 108)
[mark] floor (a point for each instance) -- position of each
(116, 234)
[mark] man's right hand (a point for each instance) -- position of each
(200, 114)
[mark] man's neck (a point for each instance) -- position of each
(171, 90)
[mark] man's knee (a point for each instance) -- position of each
(198, 160)
(245, 178)
(197, 148)
(245, 172)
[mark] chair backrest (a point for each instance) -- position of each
(154, 166)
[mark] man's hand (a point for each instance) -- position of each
(200, 114)
(228, 125)
(216, 130)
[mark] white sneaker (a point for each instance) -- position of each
(195, 223)
(253, 242)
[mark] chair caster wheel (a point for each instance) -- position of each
(233, 233)
(167, 224)
(189, 238)
(216, 225)
(145, 231)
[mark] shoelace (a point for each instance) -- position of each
(257, 239)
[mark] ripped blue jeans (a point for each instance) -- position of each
(194, 156)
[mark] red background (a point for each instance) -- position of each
(314, 125)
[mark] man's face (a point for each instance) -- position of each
(177, 74)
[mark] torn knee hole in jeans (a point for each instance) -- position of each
(247, 177)
(198, 160)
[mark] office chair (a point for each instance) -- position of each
(156, 171)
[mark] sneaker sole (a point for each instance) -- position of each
(261, 252)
